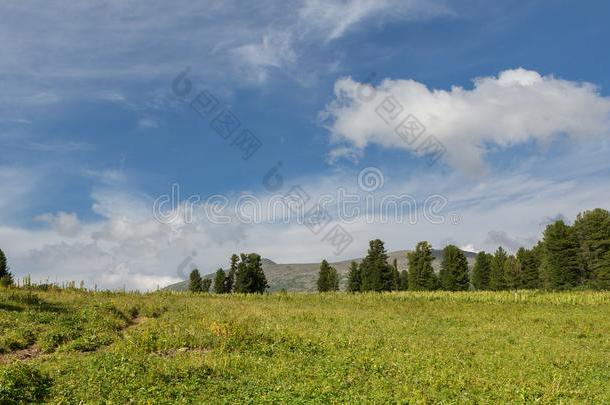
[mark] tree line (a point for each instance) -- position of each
(245, 275)
(567, 257)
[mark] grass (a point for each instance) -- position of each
(307, 348)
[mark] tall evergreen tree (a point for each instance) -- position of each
(404, 281)
(395, 276)
(512, 273)
(497, 281)
(421, 273)
(6, 278)
(219, 281)
(353, 278)
(375, 272)
(230, 279)
(206, 283)
(323, 276)
(250, 277)
(602, 276)
(195, 281)
(562, 255)
(453, 275)
(481, 271)
(592, 229)
(328, 278)
(528, 261)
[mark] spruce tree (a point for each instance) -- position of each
(404, 281)
(512, 273)
(421, 273)
(353, 278)
(602, 277)
(592, 229)
(333, 279)
(230, 279)
(530, 265)
(497, 281)
(219, 281)
(395, 276)
(206, 283)
(195, 281)
(6, 278)
(562, 255)
(453, 275)
(481, 270)
(328, 278)
(250, 277)
(375, 272)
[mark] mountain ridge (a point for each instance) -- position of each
(303, 276)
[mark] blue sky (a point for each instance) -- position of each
(92, 134)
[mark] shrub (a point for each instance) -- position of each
(21, 382)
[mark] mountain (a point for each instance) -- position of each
(303, 276)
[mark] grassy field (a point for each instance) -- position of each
(72, 346)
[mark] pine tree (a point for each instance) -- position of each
(453, 275)
(512, 273)
(6, 278)
(404, 281)
(481, 270)
(219, 281)
(333, 279)
(375, 272)
(395, 276)
(497, 281)
(421, 273)
(562, 255)
(602, 276)
(592, 229)
(206, 283)
(250, 277)
(195, 281)
(353, 278)
(530, 265)
(328, 278)
(230, 279)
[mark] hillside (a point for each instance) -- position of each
(303, 276)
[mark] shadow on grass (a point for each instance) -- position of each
(21, 302)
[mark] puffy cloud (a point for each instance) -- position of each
(64, 223)
(516, 106)
(127, 246)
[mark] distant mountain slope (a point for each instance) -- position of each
(303, 276)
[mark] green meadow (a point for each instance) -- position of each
(71, 346)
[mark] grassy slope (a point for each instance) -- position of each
(457, 347)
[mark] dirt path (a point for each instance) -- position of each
(26, 354)
(32, 352)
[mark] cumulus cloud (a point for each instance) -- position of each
(516, 106)
(66, 224)
(126, 246)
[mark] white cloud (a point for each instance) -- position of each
(514, 107)
(148, 123)
(332, 19)
(64, 52)
(127, 247)
(66, 224)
